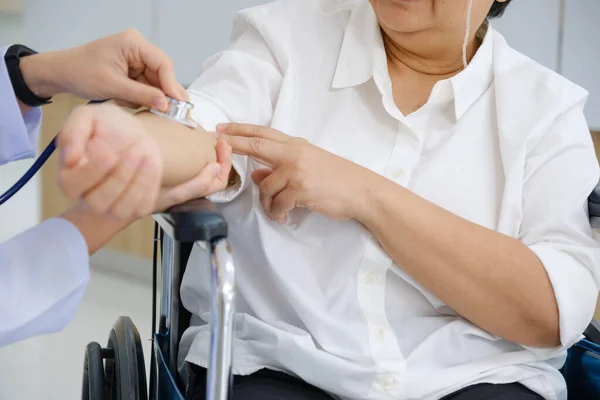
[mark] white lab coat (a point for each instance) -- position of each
(44, 271)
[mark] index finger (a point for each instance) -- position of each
(265, 151)
(250, 130)
(158, 62)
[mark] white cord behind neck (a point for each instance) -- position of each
(467, 34)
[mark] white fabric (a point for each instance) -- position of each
(44, 271)
(503, 144)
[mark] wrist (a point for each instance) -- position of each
(96, 229)
(41, 73)
(371, 198)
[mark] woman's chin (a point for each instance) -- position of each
(398, 16)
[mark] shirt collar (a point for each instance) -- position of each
(471, 83)
(362, 40)
(363, 51)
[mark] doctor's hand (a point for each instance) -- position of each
(110, 164)
(299, 174)
(125, 67)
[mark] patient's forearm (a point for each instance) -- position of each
(185, 150)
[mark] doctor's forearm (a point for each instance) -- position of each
(185, 150)
(96, 229)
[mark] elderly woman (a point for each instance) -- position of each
(408, 213)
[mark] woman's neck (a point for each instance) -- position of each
(441, 57)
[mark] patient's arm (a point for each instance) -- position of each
(116, 162)
(185, 151)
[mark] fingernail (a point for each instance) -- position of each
(222, 127)
(217, 169)
(160, 103)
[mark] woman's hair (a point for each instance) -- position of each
(498, 9)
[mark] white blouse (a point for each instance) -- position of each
(503, 144)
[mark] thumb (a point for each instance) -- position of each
(75, 134)
(260, 175)
(132, 91)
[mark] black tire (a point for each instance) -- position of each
(125, 373)
(93, 373)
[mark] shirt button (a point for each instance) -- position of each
(379, 333)
(388, 382)
(371, 279)
(398, 174)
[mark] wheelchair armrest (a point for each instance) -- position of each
(594, 202)
(592, 333)
(196, 220)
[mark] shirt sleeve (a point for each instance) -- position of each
(561, 171)
(43, 275)
(240, 84)
(18, 132)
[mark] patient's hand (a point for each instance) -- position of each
(300, 174)
(212, 179)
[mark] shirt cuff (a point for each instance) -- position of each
(18, 132)
(240, 165)
(575, 289)
(76, 248)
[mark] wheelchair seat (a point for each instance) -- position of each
(117, 371)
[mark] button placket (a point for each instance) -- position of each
(371, 297)
(404, 157)
(388, 382)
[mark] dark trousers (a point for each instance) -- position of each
(271, 385)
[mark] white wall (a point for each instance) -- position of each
(203, 29)
(55, 24)
(532, 27)
(581, 61)
(188, 30)
(23, 210)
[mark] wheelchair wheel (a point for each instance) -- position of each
(93, 373)
(125, 373)
(117, 372)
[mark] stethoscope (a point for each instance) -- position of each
(178, 111)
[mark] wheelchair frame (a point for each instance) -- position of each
(191, 223)
(123, 375)
(117, 372)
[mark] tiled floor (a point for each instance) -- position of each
(50, 367)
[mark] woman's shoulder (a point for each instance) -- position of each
(514, 70)
(530, 99)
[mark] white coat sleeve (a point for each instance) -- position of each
(43, 275)
(18, 132)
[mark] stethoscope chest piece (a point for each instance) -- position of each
(179, 111)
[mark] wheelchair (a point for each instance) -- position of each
(118, 371)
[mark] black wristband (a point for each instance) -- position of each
(24, 94)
